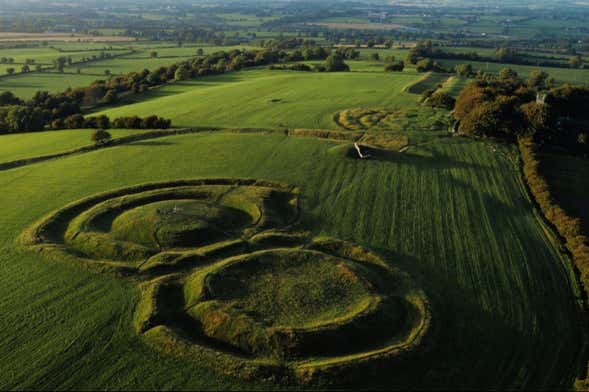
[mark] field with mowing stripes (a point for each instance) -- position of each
(22, 146)
(449, 211)
(259, 98)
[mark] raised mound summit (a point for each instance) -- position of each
(227, 281)
(179, 224)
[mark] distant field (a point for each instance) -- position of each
(259, 98)
(63, 37)
(559, 74)
(361, 26)
(567, 177)
(25, 86)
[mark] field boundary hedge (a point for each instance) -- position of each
(567, 227)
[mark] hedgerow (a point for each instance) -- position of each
(567, 226)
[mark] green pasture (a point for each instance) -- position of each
(28, 145)
(450, 211)
(261, 98)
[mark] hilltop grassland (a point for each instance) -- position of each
(499, 289)
(30, 145)
(260, 98)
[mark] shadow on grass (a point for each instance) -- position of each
(148, 143)
(436, 161)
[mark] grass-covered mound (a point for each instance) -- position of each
(179, 223)
(386, 119)
(233, 287)
(138, 228)
(322, 311)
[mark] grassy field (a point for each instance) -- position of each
(567, 178)
(450, 211)
(259, 98)
(28, 145)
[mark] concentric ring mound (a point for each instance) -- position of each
(315, 313)
(140, 228)
(227, 281)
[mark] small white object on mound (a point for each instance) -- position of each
(360, 154)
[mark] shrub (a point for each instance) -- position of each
(335, 63)
(395, 66)
(100, 136)
(440, 99)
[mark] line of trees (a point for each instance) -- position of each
(15, 119)
(48, 109)
(567, 226)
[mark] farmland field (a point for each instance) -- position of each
(30, 145)
(497, 289)
(260, 98)
(82, 74)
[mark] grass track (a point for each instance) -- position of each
(450, 211)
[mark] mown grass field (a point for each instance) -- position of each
(450, 211)
(28, 145)
(259, 98)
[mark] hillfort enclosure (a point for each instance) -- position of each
(294, 195)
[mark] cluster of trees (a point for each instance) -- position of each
(348, 53)
(391, 65)
(77, 121)
(24, 119)
(438, 99)
(292, 67)
(509, 107)
(333, 63)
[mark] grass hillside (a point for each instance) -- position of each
(449, 211)
(260, 98)
(29, 145)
